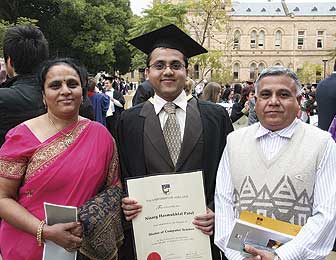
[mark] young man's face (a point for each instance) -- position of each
(168, 82)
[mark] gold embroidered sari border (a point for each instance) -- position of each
(12, 168)
(47, 154)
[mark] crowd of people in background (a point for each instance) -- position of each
(48, 109)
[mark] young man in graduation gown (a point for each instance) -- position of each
(201, 127)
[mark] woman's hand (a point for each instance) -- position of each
(66, 235)
(247, 106)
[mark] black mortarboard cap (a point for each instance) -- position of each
(170, 37)
(108, 77)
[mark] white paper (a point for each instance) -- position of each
(260, 237)
(58, 214)
(164, 227)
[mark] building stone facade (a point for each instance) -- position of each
(276, 33)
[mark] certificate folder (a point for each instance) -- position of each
(58, 214)
(276, 225)
(260, 232)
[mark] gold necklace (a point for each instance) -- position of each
(68, 138)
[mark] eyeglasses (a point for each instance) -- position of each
(163, 66)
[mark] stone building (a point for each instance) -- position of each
(276, 32)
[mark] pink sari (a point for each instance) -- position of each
(56, 173)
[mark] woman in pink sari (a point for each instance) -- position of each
(59, 158)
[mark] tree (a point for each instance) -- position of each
(206, 18)
(92, 31)
(201, 18)
(161, 14)
(309, 73)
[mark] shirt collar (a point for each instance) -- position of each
(180, 101)
(286, 132)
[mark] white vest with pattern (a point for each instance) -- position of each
(281, 188)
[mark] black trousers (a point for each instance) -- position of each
(127, 251)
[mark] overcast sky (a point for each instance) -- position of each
(138, 5)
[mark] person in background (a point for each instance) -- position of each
(3, 74)
(144, 92)
(189, 87)
(37, 166)
(227, 99)
(117, 102)
(252, 115)
(242, 107)
(24, 49)
(274, 174)
(123, 86)
(211, 92)
(200, 127)
(100, 102)
(86, 107)
(326, 100)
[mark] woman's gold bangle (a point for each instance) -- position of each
(39, 232)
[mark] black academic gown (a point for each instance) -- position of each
(143, 150)
(326, 101)
(143, 93)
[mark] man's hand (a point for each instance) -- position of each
(258, 254)
(205, 222)
(131, 208)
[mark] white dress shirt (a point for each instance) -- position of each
(316, 238)
(181, 110)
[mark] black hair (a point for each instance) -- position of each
(149, 56)
(226, 94)
(26, 47)
(237, 88)
(47, 65)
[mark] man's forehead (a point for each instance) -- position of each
(167, 53)
(276, 83)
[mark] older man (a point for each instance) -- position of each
(146, 143)
(286, 170)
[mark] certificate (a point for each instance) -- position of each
(164, 230)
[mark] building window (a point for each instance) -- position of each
(261, 39)
(261, 67)
(319, 40)
(253, 39)
(301, 35)
(236, 40)
(236, 69)
(196, 71)
(132, 74)
(278, 36)
(253, 68)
